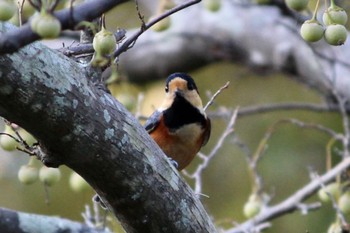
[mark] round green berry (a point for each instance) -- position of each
(46, 25)
(311, 31)
(332, 189)
(335, 16)
(28, 174)
(49, 176)
(7, 9)
(77, 183)
(335, 34)
(104, 42)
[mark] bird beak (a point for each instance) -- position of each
(179, 92)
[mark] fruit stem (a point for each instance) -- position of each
(333, 4)
(31, 161)
(314, 16)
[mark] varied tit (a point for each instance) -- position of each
(180, 126)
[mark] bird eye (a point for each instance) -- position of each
(166, 89)
(190, 86)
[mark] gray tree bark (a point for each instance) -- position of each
(19, 222)
(81, 126)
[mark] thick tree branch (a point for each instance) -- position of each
(261, 37)
(19, 222)
(69, 18)
(86, 129)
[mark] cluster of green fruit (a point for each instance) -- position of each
(341, 196)
(334, 18)
(45, 24)
(29, 174)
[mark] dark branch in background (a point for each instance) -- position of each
(87, 48)
(19, 222)
(130, 41)
(15, 39)
(275, 107)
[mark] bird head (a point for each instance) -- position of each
(181, 84)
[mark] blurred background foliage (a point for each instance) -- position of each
(285, 166)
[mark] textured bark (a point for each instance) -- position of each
(80, 126)
(19, 222)
(263, 37)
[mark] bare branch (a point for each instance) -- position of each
(129, 42)
(17, 38)
(292, 203)
(197, 175)
(215, 95)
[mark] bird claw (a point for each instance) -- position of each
(96, 198)
(173, 162)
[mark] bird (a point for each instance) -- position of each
(180, 125)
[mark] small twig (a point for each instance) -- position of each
(197, 175)
(141, 17)
(126, 45)
(346, 137)
(215, 95)
(332, 198)
(291, 203)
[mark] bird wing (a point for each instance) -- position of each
(153, 121)
(207, 132)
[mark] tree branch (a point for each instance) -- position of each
(291, 204)
(19, 222)
(15, 39)
(86, 129)
(190, 44)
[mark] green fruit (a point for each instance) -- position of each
(332, 188)
(335, 34)
(28, 174)
(311, 31)
(7, 9)
(49, 176)
(104, 42)
(297, 5)
(6, 142)
(344, 203)
(335, 15)
(212, 5)
(253, 206)
(77, 183)
(46, 25)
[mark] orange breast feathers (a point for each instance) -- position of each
(182, 144)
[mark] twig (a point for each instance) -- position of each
(340, 215)
(128, 43)
(286, 106)
(291, 203)
(215, 95)
(197, 175)
(346, 137)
